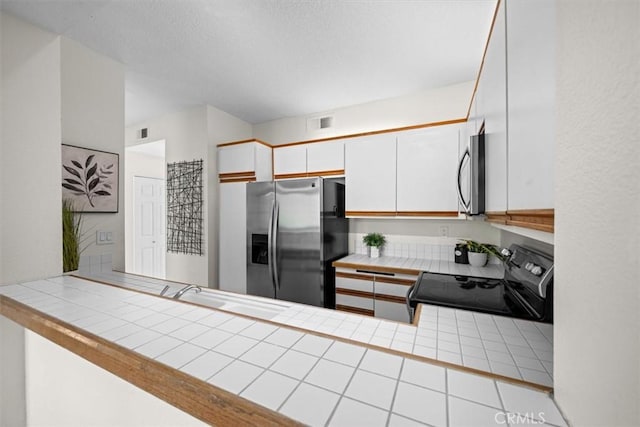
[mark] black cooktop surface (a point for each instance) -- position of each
(469, 293)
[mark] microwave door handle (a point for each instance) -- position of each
(270, 246)
(274, 239)
(464, 203)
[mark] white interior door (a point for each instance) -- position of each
(149, 219)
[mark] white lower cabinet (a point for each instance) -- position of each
(232, 255)
(377, 295)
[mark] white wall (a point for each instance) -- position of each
(71, 391)
(136, 164)
(193, 135)
(93, 117)
(31, 242)
(597, 317)
(435, 105)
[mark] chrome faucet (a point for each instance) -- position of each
(181, 292)
(164, 290)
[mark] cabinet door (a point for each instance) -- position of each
(290, 160)
(531, 47)
(326, 157)
(232, 234)
(427, 171)
(370, 171)
(237, 158)
(354, 293)
(492, 110)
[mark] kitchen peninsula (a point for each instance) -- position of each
(222, 367)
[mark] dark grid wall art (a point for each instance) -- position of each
(184, 207)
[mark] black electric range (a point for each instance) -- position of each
(526, 291)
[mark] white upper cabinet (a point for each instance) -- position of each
(326, 157)
(531, 49)
(236, 158)
(427, 170)
(370, 170)
(290, 160)
(491, 109)
(249, 160)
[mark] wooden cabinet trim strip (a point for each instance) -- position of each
(371, 213)
(536, 219)
(484, 55)
(353, 276)
(376, 268)
(244, 141)
(247, 174)
(395, 281)
(375, 132)
(229, 180)
(290, 175)
(326, 173)
(355, 310)
(354, 293)
(202, 400)
(428, 213)
(391, 298)
(416, 315)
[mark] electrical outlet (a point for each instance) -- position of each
(444, 231)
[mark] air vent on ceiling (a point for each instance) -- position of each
(143, 133)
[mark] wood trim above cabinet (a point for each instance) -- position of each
(244, 141)
(355, 310)
(247, 176)
(374, 269)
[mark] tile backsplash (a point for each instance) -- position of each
(421, 247)
(95, 263)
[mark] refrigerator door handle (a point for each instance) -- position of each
(465, 204)
(274, 240)
(270, 246)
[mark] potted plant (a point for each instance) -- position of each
(71, 236)
(478, 253)
(374, 241)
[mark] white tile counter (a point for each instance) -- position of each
(313, 379)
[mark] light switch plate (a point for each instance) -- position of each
(104, 237)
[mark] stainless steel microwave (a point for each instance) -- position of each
(471, 179)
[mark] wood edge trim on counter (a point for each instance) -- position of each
(391, 298)
(353, 275)
(371, 213)
(375, 132)
(198, 398)
(230, 180)
(355, 310)
(354, 293)
(394, 281)
(227, 144)
(484, 55)
(349, 341)
(447, 214)
(497, 217)
(416, 315)
(376, 268)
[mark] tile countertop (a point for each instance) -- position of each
(245, 361)
(414, 266)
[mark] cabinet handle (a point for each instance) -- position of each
(375, 272)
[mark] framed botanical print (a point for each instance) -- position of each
(90, 179)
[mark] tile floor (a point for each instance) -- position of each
(286, 370)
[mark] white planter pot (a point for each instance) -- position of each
(374, 252)
(477, 259)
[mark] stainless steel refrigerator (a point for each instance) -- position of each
(295, 229)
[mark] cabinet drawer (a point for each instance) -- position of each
(354, 301)
(391, 289)
(363, 285)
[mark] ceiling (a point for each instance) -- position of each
(262, 60)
